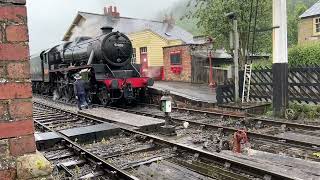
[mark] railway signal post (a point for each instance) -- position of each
(280, 58)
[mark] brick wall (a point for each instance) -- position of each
(306, 31)
(185, 75)
(16, 124)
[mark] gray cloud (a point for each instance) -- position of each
(48, 20)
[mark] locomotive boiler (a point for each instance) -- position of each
(104, 63)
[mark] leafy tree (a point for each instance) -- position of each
(295, 9)
(206, 17)
(212, 18)
(291, 4)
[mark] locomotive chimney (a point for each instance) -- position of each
(111, 11)
(106, 29)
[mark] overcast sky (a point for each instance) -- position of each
(49, 19)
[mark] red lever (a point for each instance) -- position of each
(239, 137)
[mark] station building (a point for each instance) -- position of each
(309, 25)
(190, 63)
(148, 36)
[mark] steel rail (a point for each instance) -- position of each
(251, 117)
(214, 112)
(265, 121)
(275, 139)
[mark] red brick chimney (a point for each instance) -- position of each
(111, 11)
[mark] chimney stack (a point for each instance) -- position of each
(169, 20)
(111, 11)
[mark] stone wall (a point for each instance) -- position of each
(16, 124)
(185, 74)
(306, 31)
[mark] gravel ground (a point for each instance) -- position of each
(165, 170)
(197, 117)
(116, 145)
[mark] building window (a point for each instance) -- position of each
(134, 56)
(143, 50)
(317, 26)
(175, 58)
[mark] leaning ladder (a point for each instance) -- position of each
(246, 83)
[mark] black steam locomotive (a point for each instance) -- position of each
(104, 63)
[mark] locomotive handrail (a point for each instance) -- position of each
(71, 68)
(135, 69)
(110, 70)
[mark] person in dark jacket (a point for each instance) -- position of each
(80, 92)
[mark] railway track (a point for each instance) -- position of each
(262, 122)
(71, 161)
(265, 134)
(129, 154)
(277, 137)
(208, 115)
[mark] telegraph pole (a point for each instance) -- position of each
(280, 58)
(235, 38)
(236, 59)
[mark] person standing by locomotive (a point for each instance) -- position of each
(80, 92)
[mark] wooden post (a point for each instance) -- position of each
(210, 47)
(236, 60)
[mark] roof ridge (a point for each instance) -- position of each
(120, 17)
(129, 25)
(314, 10)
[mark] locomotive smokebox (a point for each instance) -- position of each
(106, 29)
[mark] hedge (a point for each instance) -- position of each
(305, 54)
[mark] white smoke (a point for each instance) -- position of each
(91, 28)
(153, 72)
(48, 20)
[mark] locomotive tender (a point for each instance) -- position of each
(104, 63)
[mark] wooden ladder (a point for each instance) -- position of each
(246, 83)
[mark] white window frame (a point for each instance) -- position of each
(316, 22)
(134, 56)
(143, 50)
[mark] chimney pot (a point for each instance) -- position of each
(105, 10)
(111, 11)
(165, 19)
